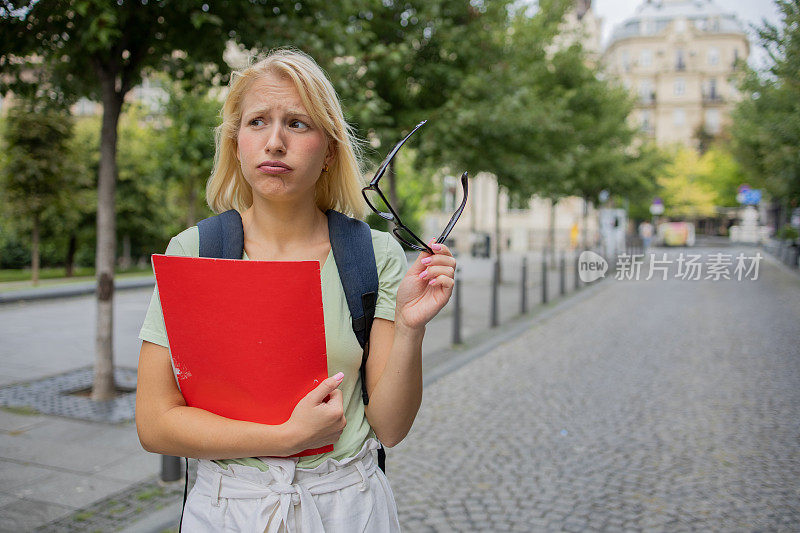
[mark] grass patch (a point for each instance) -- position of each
(82, 516)
(117, 510)
(24, 274)
(23, 410)
(149, 494)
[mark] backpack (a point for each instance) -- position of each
(222, 236)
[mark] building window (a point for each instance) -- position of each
(678, 116)
(647, 121)
(680, 86)
(645, 57)
(713, 56)
(712, 121)
(712, 93)
(626, 60)
(680, 60)
(646, 92)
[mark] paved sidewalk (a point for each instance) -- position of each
(651, 406)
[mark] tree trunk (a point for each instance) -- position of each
(69, 263)
(103, 388)
(35, 250)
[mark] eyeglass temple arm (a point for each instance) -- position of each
(390, 156)
(457, 214)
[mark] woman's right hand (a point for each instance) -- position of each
(318, 418)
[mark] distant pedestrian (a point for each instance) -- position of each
(646, 233)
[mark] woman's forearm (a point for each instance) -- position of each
(397, 396)
(191, 432)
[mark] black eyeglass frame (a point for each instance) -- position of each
(392, 216)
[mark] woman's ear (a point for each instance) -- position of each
(330, 153)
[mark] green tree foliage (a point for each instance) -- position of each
(186, 152)
(145, 209)
(37, 169)
(101, 50)
(685, 188)
(766, 123)
(409, 59)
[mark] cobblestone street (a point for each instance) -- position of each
(651, 405)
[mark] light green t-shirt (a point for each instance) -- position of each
(343, 351)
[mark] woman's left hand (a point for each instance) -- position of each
(426, 287)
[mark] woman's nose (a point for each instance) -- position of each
(275, 141)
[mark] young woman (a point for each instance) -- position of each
(284, 155)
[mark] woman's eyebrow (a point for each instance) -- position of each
(263, 110)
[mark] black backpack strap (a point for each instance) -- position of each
(222, 236)
(351, 242)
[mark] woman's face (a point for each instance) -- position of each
(280, 150)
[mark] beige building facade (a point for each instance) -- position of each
(677, 57)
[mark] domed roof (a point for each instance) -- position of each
(653, 16)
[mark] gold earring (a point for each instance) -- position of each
(325, 168)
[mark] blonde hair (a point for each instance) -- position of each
(339, 188)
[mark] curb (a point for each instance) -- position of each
(76, 289)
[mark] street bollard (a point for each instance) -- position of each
(544, 278)
(170, 468)
(562, 281)
(493, 322)
(457, 310)
(523, 304)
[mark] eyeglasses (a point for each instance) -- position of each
(377, 202)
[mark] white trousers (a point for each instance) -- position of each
(348, 496)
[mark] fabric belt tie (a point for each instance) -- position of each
(285, 494)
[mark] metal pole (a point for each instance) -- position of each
(524, 300)
(170, 468)
(562, 275)
(495, 289)
(577, 271)
(457, 310)
(544, 278)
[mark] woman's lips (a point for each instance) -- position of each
(274, 167)
(268, 169)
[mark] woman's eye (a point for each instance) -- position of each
(298, 124)
(253, 122)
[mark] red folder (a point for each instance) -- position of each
(247, 338)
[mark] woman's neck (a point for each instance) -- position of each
(282, 227)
